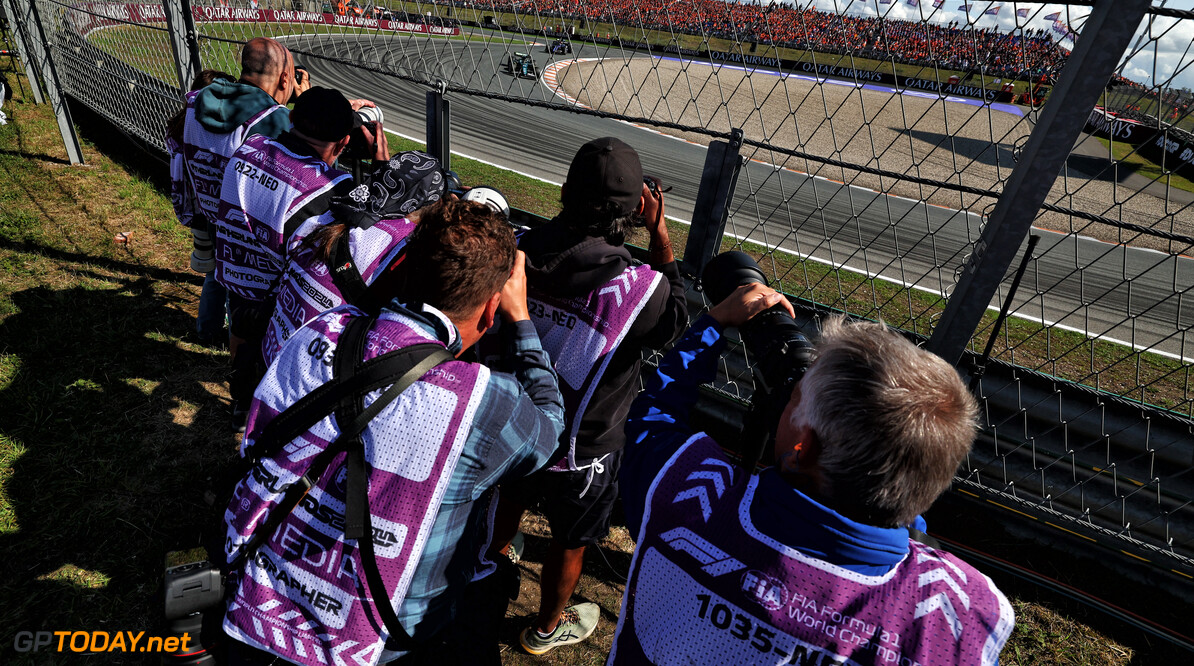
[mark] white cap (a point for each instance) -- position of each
(489, 196)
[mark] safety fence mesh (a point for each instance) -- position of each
(878, 137)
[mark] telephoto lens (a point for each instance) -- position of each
(782, 352)
(369, 114)
(490, 196)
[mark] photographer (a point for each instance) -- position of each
(811, 560)
(270, 188)
(314, 588)
(220, 113)
(346, 255)
(595, 309)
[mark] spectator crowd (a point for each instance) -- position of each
(412, 372)
(1023, 54)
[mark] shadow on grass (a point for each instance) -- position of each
(112, 431)
(41, 157)
(151, 272)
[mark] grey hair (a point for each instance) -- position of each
(894, 422)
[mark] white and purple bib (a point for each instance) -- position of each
(303, 598)
(206, 153)
(307, 287)
(265, 186)
(706, 587)
(581, 335)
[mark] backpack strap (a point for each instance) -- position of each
(313, 407)
(346, 376)
(358, 519)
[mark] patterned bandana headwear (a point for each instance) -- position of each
(395, 189)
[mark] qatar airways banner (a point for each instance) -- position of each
(1108, 125)
(94, 15)
(1171, 147)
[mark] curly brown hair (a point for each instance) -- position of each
(458, 256)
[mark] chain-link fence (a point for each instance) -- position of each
(879, 138)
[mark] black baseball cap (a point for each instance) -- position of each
(324, 114)
(606, 169)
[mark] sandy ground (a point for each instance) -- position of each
(904, 134)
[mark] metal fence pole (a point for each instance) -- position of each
(20, 34)
(184, 41)
(439, 126)
(712, 209)
(1103, 41)
(41, 53)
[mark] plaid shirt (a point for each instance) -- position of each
(515, 431)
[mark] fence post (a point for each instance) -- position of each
(21, 35)
(40, 47)
(439, 126)
(1103, 41)
(184, 41)
(716, 193)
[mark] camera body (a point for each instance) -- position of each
(657, 190)
(360, 147)
(782, 352)
(194, 604)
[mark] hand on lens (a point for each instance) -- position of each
(513, 306)
(381, 145)
(746, 302)
(652, 209)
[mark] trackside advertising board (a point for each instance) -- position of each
(92, 15)
(1173, 149)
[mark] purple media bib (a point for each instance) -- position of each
(706, 587)
(264, 186)
(307, 287)
(302, 597)
(581, 335)
(205, 154)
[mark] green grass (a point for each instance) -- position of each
(1127, 157)
(113, 422)
(147, 49)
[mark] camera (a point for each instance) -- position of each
(360, 147)
(782, 352)
(657, 189)
(194, 604)
(300, 74)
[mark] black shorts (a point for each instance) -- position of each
(578, 504)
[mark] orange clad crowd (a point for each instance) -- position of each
(1023, 54)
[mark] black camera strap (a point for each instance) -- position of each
(344, 395)
(345, 274)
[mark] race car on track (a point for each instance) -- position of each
(559, 47)
(522, 66)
